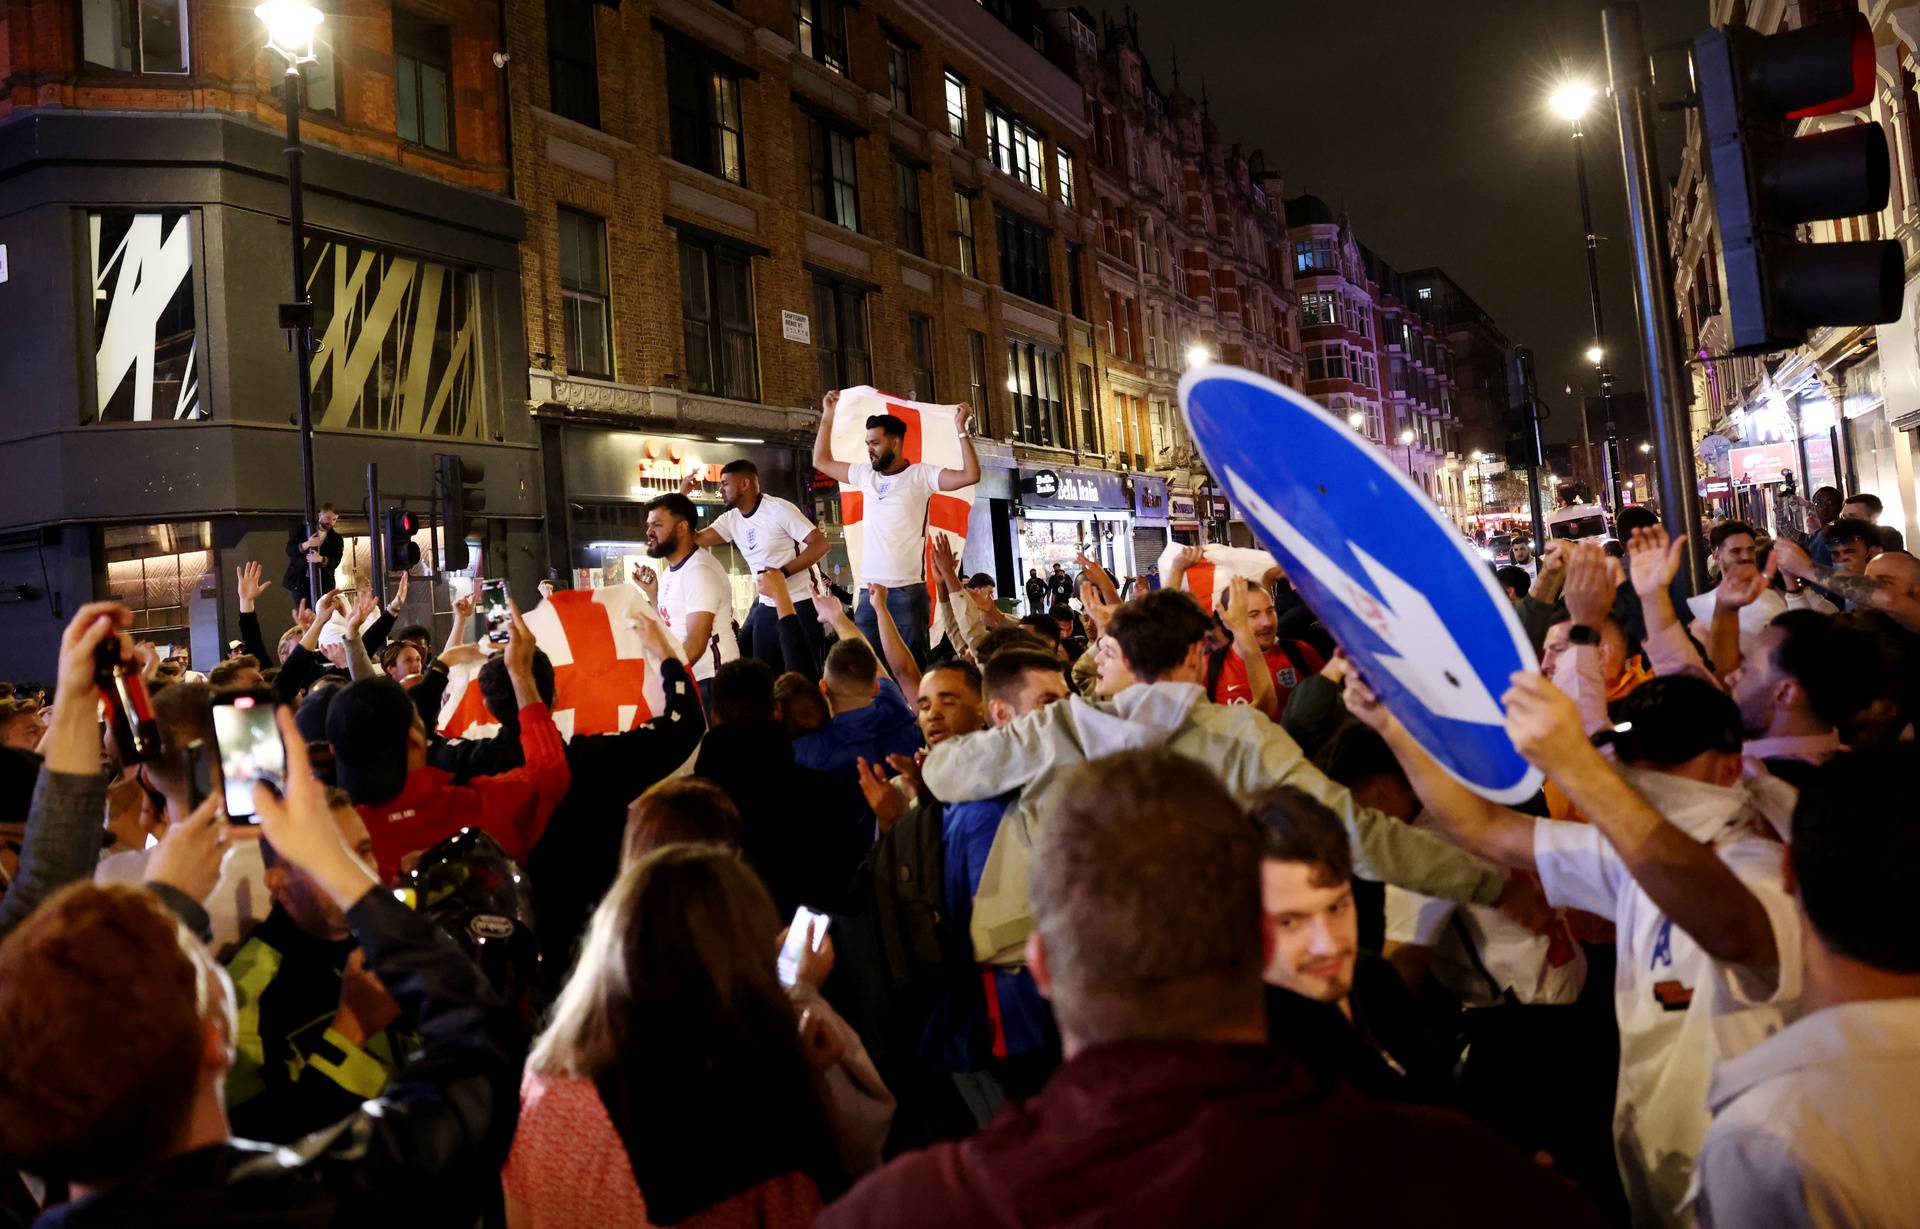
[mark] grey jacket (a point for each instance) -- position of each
(1250, 753)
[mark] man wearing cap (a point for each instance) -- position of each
(380, 758)
(1681, 857)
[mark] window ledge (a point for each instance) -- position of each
(707, 179)
(581, 130)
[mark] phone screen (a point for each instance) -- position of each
(492, 608)
(250, 748)
(805, 922)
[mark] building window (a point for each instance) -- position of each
(135, 36)
(920, 351)
(980, 393)
(1315, 256)
(1025, 267)
(1425, 292)
(900, 76)
(422, 67)
(1016, 148)
(820, 30)
(833, 180)
(573, 81)
(963, 234)
(1319, 307)
(154, 570)
(1063, 167)
(1035, 383)
(957, 107)
(418, 370)
(145, 336)
(1076, 292)
(584, 291)
(1149, 246)
(840, 335)
(906, 184)
(1153, 335)
(716, 313)
(1327, 362)
(703, 113)
(1089, 412)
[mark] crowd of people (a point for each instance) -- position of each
(1138, 908)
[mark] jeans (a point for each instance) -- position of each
(760, 637)
(911, 614)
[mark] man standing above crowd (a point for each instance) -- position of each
(691, 592)
(773, 535)
(894, 494)
(323, 546)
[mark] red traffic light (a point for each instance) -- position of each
(1859, 58)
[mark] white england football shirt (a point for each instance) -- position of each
(770, 538)
(699, 585)
(894, 514)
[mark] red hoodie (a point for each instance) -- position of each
(512, 807)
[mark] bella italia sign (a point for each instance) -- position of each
(1064, 488)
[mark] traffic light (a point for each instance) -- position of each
(456, 492)
(401, 551)
(1753, 90)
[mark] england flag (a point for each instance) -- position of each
(604, 678)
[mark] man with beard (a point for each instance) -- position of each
(691, 592)
(894, 495)
(772, 535)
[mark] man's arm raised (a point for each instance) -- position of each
(823, 441)
(969, 471)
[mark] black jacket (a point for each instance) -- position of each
(1386, 1050)
(332, 548)
(428, 1152)
(578, 856)
(794, 830)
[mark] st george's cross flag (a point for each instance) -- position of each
(1222, 566)
(932, 439)
(604, 678)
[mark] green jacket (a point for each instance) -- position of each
(1250, 753)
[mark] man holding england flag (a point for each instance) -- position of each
(894, 494)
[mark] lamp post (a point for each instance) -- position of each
(1571, 101)
(290, 28)
(1406, 441)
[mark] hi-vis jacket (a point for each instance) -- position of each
(1249, 752)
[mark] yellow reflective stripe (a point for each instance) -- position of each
(357, 1071)
(252, 969)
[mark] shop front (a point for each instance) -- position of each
(600, 482)
(1183, 519)
(1151, 525)
(1066, 511)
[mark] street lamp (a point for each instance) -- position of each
(1406, 441)
(1571, 100)
(290, 29)
(1356, 420)
(1198, 355)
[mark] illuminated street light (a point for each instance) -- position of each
(290, 26)
(1595, 354)
(1198, 355)
(1572, 99)
(1356, 420)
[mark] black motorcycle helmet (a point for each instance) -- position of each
(468, 886)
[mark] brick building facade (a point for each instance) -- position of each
(143, 208)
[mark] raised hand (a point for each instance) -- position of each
(364, 604)
(546, 590)
(303, 615)
(1653, 558)
(520, 642)
(400, 594)
(828, 402)
(1743, 586)
(1542, 720)
(188, 857)
(648, 582)
(883, 800)
(1589, 588)
(463, 607)
(829, 608)
(1791, 558)
(249, 586)
(365, 1006)
(963, 417)
(1360, 700)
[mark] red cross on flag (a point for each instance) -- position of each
(604, 679)
(933, 438)
(1220, 566)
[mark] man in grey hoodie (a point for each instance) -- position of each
(1162, 636)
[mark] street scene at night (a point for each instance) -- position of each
(977, 613)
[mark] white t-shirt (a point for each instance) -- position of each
(1754, 616)
(239, 900)
(1486, 953)
(894, 512)
(699, 586)
(770, 538)
(1680, 1011)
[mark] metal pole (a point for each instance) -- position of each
(1611, 460)
(376, 533)
(301, 316)
(1523, 356)
(1667, 401)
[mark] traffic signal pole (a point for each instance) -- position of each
(1611, 459)
(376, 532)
(1667, 387)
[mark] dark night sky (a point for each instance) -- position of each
(1428, 122)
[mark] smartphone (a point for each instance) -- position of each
(248, 739)
(491, 606)
(805, 922)
(1786, 481)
